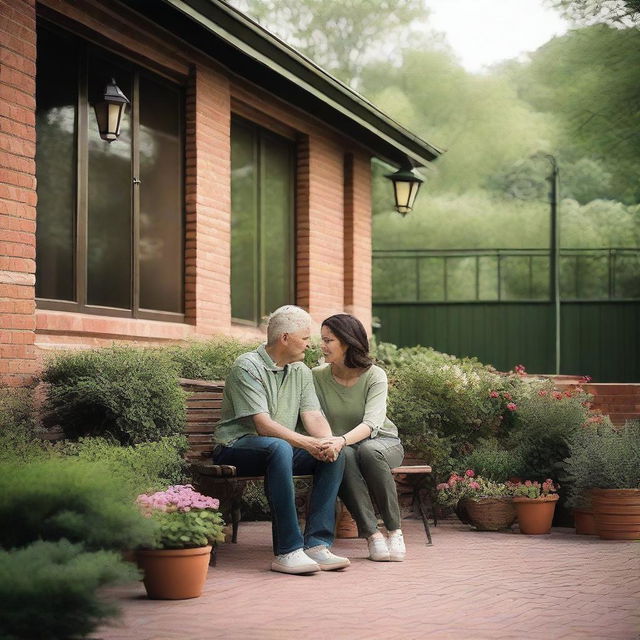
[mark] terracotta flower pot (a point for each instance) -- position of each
(616, 513)
(535, 515)
(346, 526)
(174, 574)
(584, 522)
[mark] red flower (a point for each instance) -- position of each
(512, 406)
(469, 473)
(557, 395)
(494, 394)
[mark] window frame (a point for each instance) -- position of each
(84, 111)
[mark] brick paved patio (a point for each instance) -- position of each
(469, 585)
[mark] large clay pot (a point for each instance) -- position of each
(616, 513)
(346, 526)
(174, 574)
(535, 515)
(584, 522)
(489, 514)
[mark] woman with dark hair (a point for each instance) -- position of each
(353, 395)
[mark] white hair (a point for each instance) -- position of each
(287, 319)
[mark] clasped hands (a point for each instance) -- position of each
(326, 449)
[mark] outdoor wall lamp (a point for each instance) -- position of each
(109, 111)
(406, 184)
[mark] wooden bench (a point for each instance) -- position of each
(203, 414)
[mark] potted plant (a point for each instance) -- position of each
(188, 524)
(604, 462)
(535, 504)
(484, 504)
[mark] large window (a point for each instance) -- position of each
(262, 214)
(110, 215)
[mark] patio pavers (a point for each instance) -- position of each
(468, 585)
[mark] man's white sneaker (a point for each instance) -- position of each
(295, 562)
(328, 561)
(397, 550)
(378, 550)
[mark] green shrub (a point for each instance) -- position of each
(602, 456)
(48, 590)
(544, 422)
(73, 499)
(207, 360)
(129, 394)
(19, 428)
(490, 460)
(148, 466)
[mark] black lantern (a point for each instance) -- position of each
(406, 184)
(109, 111)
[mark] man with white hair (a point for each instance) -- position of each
(265, 393)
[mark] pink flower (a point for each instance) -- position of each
(586, 379)
(474, 485)
(528, 483)
(442, 486)
(506, 395)
(520, 369)
(557, 395)
(494, 394)
(469, 473)
(512, 406)
(542, 393)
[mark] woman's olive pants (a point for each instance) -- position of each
(367, 474)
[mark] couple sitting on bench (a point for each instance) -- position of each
(350, 448)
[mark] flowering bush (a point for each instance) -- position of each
(468, 486)
(185, 518)
(529, 489)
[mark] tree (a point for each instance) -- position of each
(339, 35)
(621, 12)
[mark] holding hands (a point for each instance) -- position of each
(331, 447)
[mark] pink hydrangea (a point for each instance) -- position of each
(469, 473)
(512, 406)
(494, 394)
(180, 497)
(442, 486)
(474, 485)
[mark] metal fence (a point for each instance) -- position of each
(502, 275)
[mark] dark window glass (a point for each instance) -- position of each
(110, 215)
(109, 221)
(56, 100)
(161, 248)
(244, 223)
(262, 187)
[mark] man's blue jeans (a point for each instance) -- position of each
(279, 462)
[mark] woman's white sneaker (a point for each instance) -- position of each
(295, 562)
(378, 550)
(397, 550)
(328, 561)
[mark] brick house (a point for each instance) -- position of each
(240, 180)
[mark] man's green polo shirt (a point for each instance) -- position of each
(256, 385)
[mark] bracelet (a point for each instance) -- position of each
(346, 444)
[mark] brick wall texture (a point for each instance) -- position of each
(333, 203)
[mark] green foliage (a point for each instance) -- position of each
(207, 360)
(602, 456)
(67, 498)
(180, 529)
(491, 460)
(442, 404)
(533, 490)
(147, 466)
(19, 429)
(127, 393)
(468, 486)
(48, 590)
(544, 422)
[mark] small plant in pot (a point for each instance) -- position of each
(188, 524)
(604, 463)
(481, 503)
(535, 504)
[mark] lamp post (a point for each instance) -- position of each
(406, 184)
(554, 251)
(109, 111)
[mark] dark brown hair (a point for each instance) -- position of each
(350, 331)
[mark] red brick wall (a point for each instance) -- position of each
(333, 267)
(17, 190)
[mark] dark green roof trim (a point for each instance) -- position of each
(252, 52)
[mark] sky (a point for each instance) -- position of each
(482, 32)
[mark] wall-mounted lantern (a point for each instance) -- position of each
(406, 184)
(109, 111)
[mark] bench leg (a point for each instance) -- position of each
(417, 502)
(235, 520)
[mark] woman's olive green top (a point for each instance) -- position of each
(347, 407)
